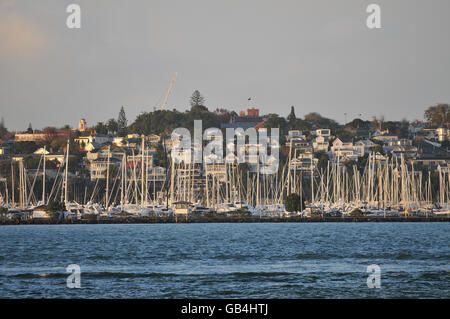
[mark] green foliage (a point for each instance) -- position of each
(122, 122)
(32, 162)
(101, 128)
(438, 114)
(274, 120)
(112, 126)
(291, 117)
(356, 213)
(243, 212)
(164, 122)
(3, 130)
(293, 203)
(23, 147)
(299, 124)
(3, 210)
(358, 124)
(197, 99)
(53, 207)
(318, 120)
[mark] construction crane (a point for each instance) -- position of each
(163, 106)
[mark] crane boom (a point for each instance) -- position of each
(163, 107)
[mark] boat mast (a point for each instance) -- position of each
(107, 180)
(12, 185)
(142, 172)
(43, 180)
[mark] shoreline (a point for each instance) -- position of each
(206, 220)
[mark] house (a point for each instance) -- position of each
(303, 162)
(322, 140)
(385, 138)
(294, 134)
(99, 168)
(367, 145)
(98, 162)
(401, 147)
(93, 141)
(346, 149)
(299, 143)
(320, 144)
(325, 132)
(407, 151)
(245, 121)
(29, 137)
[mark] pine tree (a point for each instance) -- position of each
(3, 130)
(30, 129)
(197, 99)
(122, 122)
(291, 117)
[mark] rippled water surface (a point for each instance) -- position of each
(305, 260)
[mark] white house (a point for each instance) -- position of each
(326, 132)
(93, 141)
(321, 143)
(367, 145)
(346, 149)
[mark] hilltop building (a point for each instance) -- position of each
(245, 121)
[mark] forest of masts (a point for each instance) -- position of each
(391, 183)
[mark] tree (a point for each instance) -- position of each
(30, 129)
(293, 203)
(197, 99)
(50, 134)
(3, 130)
(122, 122)
(101, 128)
(3, 211)
(318, 120)
(24, 147)
(54, 206)
(356, 213)
(357, 124)
(438, 114)
(291, 117)
(273, 121)
(112, 126)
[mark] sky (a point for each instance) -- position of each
(317, 55)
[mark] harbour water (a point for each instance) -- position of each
(266, 260)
